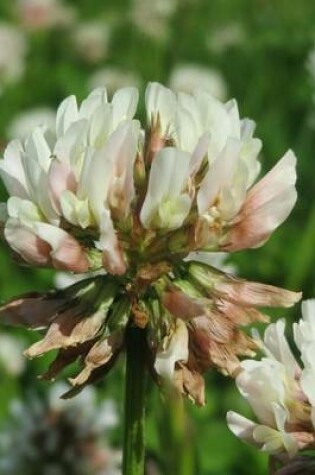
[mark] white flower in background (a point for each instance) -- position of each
(152, 18)
(12, 54)
(281, 394)
(11, 357)
(310, 63)
(23, 125)
(44, 14)
(113, 78)
(133, 202)
(91, 40)
(53, 436)
(191, 77)
(225, 37)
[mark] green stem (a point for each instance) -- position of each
(133, 458)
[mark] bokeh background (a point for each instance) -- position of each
(261, 52)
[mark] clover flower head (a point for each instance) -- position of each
(281, 393)
(132, 202)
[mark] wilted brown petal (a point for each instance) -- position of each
(68, 329)
(191, 383)
(240, 315)
(100, 353)
(216, 341)
(181, 305)
(65, 357)
(246, 293)
(33, 310)
(94, 377)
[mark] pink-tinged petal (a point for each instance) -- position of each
(26, 243)
(181, 305)
(246, 293)
(266, 206)
(113, 258)
(60, 178)
(33, 310)
(121, 192)
(66, 253)
(241, 426)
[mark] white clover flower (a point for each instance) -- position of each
(12, 54)
(11, 358)
(225, 37)
(281, 394)
(152, 18)
(113, 78)
(44, 14)
(23, 125)
(191, 77)
(91, 40)
(132, 202)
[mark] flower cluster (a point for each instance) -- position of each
(105, 193)
(52, 436)
(281, 392)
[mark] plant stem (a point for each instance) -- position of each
(133, 458)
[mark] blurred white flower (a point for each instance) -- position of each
(152, 18)
(189, 78)
(113, 78)
(91, 40)
(225, 37)
(281, 394)
(22, 125)
(54, 436)
(11, 357)
(44, 14)
(12, 54)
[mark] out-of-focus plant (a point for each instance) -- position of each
(53, 436)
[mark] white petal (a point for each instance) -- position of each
(37, 147)
(124, 104)
(12, 171)
(160, 102)
(168, 176)
(220, 174)
(241, 426)
(67, 113)
(97, 98)
(175, 349)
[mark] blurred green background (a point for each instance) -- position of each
(258, 51)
